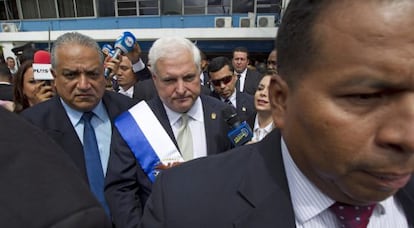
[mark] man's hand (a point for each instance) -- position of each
(162, 166)
(135, 54)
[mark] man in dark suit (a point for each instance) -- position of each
(248, 79)
(77, 67)
(175, 67)
(6, 89)
(41, 187)
(344, 156)
(224, 80)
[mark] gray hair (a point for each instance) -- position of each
(74, 38)
(171, 47)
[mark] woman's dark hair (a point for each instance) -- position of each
(20, 100)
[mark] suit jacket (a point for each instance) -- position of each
(41, 186)
(252, 81)
(246, 187)
(143, 74)
(6, 92)
(126, 182)
(244, 104)
(51, 117)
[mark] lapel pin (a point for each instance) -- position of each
(213, 116)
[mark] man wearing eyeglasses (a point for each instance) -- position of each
(224, 83)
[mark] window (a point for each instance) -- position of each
(8, 10)
(47, 8)
(148, 7)
(171, 7)
(269, 6)
(84, 8)
(194, 6)
(218, 6)
(243, 6)
(127, 7)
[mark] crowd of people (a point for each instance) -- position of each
(330, 140)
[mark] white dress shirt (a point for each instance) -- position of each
(196, 124)
(311, 206)
(260, 133)
(129, 92)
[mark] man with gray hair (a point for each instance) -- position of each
(176, 126)
(80, 118)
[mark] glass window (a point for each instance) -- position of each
(218, 6)
(47, 9)
(8, 10)
(106, 8)
(148, 7)
(30, 9)
(84, 8)
(243, 6)
(66, 8)
(127, 7)
(171, 7)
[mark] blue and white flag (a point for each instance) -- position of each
(147, 139)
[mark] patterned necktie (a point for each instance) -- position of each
(93, 160)
(350, 216)
(228, 101)
(185, 139)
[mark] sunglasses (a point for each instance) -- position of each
(225, 80)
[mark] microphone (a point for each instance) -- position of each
(107, 49)
(240, 132)
(41, 66)
(124, 44)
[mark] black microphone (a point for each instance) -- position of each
(240, 132)
(124, 44)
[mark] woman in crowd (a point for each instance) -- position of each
(28, 91)
(262, 122)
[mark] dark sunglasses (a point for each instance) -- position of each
(225, 80)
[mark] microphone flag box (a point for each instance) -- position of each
(42, 71)
(241, 134)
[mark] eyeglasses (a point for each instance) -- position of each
(225, 80)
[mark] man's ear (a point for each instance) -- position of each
(53, 72)
(278, 93)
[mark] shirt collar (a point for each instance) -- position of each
(75, 115)
(195, 112)
(308, 201)
(268, 127)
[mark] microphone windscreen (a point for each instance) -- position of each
(230, 115)
(41, 57)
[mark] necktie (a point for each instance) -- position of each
(228, 101)
(184, 138)
(238, 83)
(351, 216)
(93, 160)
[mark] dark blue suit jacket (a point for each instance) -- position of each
(252, 81)
(246, 187)
(125, 178)
(51, 117)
